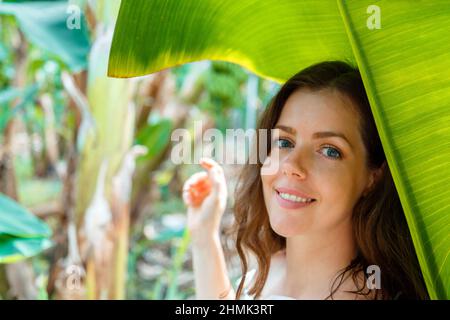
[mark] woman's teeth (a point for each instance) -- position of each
(293, 198)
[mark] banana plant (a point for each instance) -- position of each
(401, 48)
(108, 133)
(54, 27)
(45, 25)
(22, 235)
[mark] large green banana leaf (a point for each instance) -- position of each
(22, 235)
(273, 38)
(405, 66)
(406, 71)
(45, 24)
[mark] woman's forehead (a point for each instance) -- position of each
(322, 109)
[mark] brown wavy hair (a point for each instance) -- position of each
(379, 225)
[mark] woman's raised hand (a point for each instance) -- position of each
(205, 195)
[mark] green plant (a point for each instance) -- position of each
(404, 65)
(44, 24)
(22, 235)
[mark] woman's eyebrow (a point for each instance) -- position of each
(327, 134)
(316, 135)
(285, 128)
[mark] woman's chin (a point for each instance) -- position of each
(287, 228)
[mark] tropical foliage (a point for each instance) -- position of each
(90, 204)
(400, 48)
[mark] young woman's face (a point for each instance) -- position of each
(317, 153)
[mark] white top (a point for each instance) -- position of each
(246, 296)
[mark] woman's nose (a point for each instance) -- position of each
(292, 168)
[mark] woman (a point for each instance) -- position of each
(325, 213)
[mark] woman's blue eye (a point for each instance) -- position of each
(283, 143)
(331, 153)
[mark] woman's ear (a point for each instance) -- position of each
(374, 177)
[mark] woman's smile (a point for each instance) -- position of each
(290, 204)
(292, 199)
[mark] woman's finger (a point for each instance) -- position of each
(215, 173)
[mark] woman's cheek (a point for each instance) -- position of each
(337, 184)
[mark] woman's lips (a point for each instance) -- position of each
(292, 191)
(287, 204)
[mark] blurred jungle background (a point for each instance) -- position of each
(90, 204)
